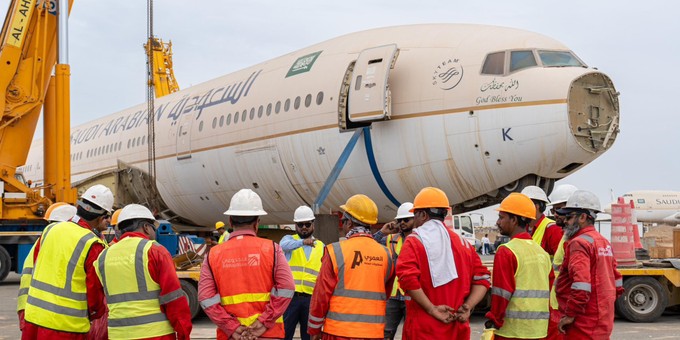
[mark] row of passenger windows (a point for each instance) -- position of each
(505, 62)
(110, 148)
(225, 120)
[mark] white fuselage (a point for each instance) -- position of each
(655, 206)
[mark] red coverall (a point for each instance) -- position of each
(414, 272)
(551, 237)
(588, 285)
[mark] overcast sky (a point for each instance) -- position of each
(637, 46)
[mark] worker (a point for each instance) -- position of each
(303, 253)
(558, 199)
(396, 231)
(440, 271)
(541, 228)
(356, 277)
(57, 212)
(65, 294)
(143, 292)
(521, 288)
(246, 284)
(589, 282)
(222, 231)
(114, 226)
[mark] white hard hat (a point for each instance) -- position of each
(561, 193)
(303, 214)
(403, 211)
(99, 195)
(133, 211)
(245, 203)
(535, 193)
(582, 199)
(60, 212)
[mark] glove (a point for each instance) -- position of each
(488, 334)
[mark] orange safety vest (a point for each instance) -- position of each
(243, 268)
(357, 307)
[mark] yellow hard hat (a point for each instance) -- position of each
(362, 208)
(219, 224)
(518, 204)
(430, 197)
(114, 217)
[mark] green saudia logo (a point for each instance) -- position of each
(303, 64)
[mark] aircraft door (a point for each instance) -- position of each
(183, 148)
(369, 94)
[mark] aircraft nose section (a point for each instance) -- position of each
(594, 111)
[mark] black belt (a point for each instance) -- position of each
(302, 294)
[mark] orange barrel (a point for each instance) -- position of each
(622, 238)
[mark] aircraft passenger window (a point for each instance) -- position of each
(521, 59)
(134, 143)
(259, 111)
(229, 119)
(214, 122)
(221, 121)
(200, 126)
(286, 106)
(243, 115)
(278, 107)
(494, 63)
(252, 113)
(297, 103)
(308, 100)
(319, 98)
(559, 59)
(139, 141)
(128, 144)
(269, 109)
(235, 117)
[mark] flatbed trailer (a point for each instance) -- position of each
(649, 290)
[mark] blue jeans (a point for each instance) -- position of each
(394, 313)
(487, 249)
(297, 312)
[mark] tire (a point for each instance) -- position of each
(644, 299)
(192, 296)
(5, 263)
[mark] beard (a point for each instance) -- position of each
(304, 235)
(571, 229)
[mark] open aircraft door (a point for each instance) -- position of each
(369, 93)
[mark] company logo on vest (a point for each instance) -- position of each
(370, 260)
(254, 260)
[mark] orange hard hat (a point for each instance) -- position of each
(518, 204)
(362, 208)
(114, 217)
(430, 197)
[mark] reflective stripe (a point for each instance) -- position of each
(102, 270)
(172, 296)
(360, 294)
(356, 317)
(482, 277)
(581, 286)
(315, 319)
(79, 313)
(73, 261)
(58, 291)
(27, 271)
(618, 283)
(311, 324)
(587, 238)
(390, 266)
(284, 293)
(304, 270)
(137, 320)
(245, 297)
(23, 291)
(209, 302)
(531, 294)
(139, 266)
(513, 314)
(501, 292)
(127, 297)
(305, 283)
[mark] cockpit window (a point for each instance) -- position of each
(559, 59)
(521, 59)
(494, 63)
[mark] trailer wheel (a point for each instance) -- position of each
(5, 263)
(644, 299)
(192, 296)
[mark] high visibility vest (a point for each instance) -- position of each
(394, 248)
(57, 298)
(557, 263)
(132, 296)
(305, 271)
(540, 230)
(527, 313)
(26, 275)
(357, 306)
(243, 268)
(224, 236)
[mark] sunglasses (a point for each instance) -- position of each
(304, 224)
(404, 220)
(344, 219)
(570, 216)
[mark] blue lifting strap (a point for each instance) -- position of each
(374, 167)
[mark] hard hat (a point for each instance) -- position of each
(99, 195)
(362, 208)
(535, 193)
(60, 212)
(219, 224)
(114, 217)
(404, 210)
(303, 214)
(245, 203)
(518, 204)
(430, 197)
(581, 199)
(134, 211)
(561, 193)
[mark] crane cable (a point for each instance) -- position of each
(150, 94)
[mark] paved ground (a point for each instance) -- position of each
(668, 327)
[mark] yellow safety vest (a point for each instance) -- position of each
(557, 263)
(132, 296)
(57, 298)
(527, 313)
(394, 252)
(224, 236)
(305, 271)
(540, 230)
(26, 275)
